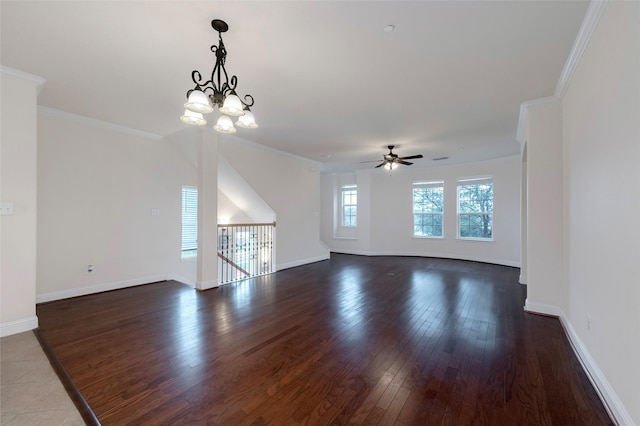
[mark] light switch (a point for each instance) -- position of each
(6, 208)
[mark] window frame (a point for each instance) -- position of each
(189, 222)
(352, 188)
(480, 180)
(428, 184)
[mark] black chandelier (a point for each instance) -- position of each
(222, 93)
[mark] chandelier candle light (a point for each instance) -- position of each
(223, 93)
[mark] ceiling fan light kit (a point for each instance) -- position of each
(219, 91)
(390, 166)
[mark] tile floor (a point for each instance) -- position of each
(30, 391)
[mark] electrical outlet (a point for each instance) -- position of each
(89, 269)
(6, 208)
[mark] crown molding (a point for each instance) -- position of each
(96, 123)
(589, 24)
(21, 75)
(234, 138)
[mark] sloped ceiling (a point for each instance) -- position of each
(238, 191)
(329, 84)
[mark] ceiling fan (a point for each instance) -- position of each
(391, 160)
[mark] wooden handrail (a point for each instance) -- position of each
(235, 225)
(248, 243)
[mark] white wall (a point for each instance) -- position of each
(601, 132)
(207, 171)
(523, 216)
(544, 205)
(229, 212)
(97, 187)
(291, 187)
(385, 218)
(18, 185)
(241, 195)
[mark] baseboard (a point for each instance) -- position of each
(608, 396)
(206, 285)
(82, 291)
(615, 408)
(181, 279)
(542, 308)
(288, 265)
(435, 255)
(18, 326)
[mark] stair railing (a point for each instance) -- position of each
(245, 250)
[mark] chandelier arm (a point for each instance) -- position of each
(231, 86)
(196, 77)
(200, 85)
(248, 101)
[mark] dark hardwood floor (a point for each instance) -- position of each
(352, 340)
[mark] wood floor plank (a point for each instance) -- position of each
(352, 340)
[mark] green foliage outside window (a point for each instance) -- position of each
(428, 207)
(475, 210)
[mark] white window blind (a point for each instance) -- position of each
(189, 221)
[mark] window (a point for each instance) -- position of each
(189, 221)
(349, 205)
(428, 207)
(475, 208)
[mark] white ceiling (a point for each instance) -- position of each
(329, 84)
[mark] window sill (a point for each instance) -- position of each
(481, 240)
(345, 238)
(418, 237)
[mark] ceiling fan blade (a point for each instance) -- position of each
(370, 161)
(394, 158)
